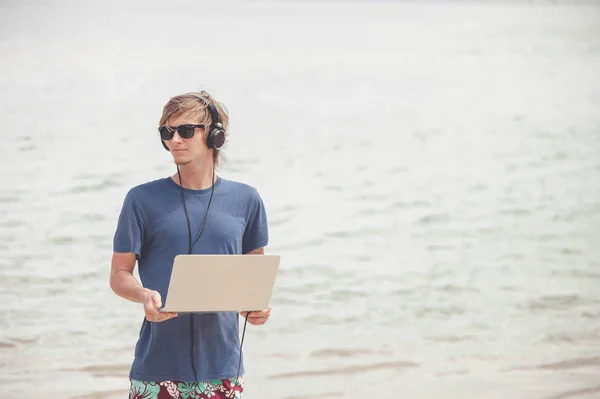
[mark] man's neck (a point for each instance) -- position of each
(195, 177)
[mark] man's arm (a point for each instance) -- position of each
(122, 281)
(258, 318)
(124, 284)
(257, 251)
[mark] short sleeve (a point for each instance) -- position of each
(129, 235)
(256, 234)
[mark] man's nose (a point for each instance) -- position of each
(177, 138)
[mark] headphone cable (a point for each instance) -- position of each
(187, 218)
(240, 361)
(190, 252)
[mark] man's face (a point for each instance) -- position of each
(185, 151)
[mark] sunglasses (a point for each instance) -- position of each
(184, 131)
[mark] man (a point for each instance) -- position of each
(193, 211)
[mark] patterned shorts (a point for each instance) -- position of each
(213, 389)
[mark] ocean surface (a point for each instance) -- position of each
(431, 174)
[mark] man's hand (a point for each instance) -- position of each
(152, 302)
(257, 317)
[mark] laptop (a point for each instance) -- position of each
(221, 283)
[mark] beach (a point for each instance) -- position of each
(431, 174)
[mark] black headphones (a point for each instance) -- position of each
(215, 139)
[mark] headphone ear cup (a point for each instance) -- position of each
(216, 137)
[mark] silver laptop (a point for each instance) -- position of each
(221, 283)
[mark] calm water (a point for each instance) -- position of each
(432, 175)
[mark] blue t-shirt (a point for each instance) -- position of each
(152, 225)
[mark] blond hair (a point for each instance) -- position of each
(188, 103)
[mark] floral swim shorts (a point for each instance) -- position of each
(213, 389)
